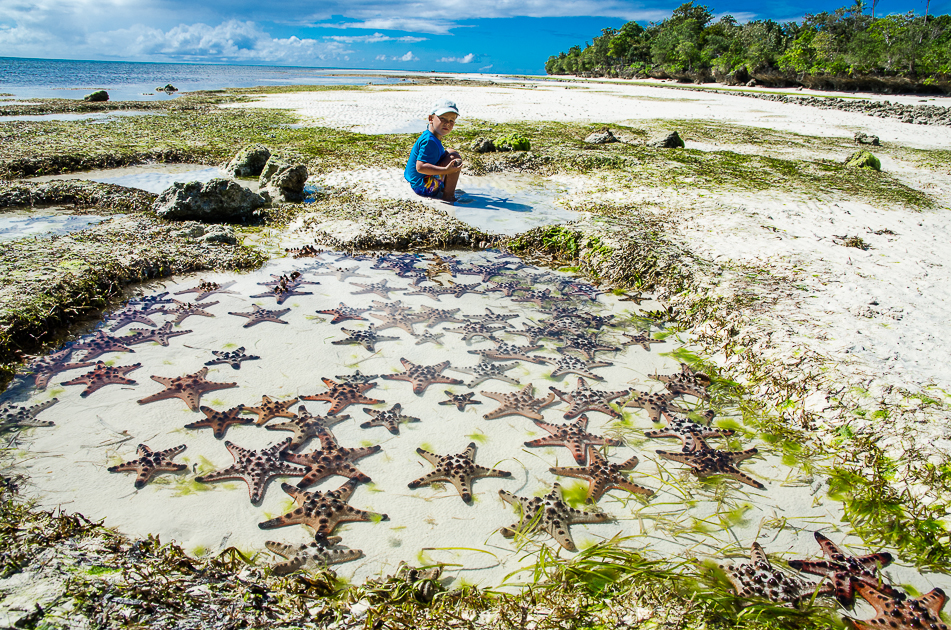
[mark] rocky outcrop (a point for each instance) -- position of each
(216, 201)
(97, 96)
(863, 159)
(249, 161)
(666, 140)
(168, 89)
(863, 138)
(601, 137)
(483, 145)
(209, 233)
(281, 181)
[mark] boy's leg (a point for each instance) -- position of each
(449, 192)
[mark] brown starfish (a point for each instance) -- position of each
(574, 437)
(343, 312)
(846, 572)
(133, 315)
(270, 408)
(637, 298)
(188, 388)
(103, 375)
(98, 345)
(567, 364)
(436, 316)
(306, 426)
(422, 376)
(428, 337)
(603, 475)
(206, 289)
(491, 317)
(342, 273)
(471, 330)
(256, 468)
(150, 462)
(687, 382)
(159, 335)
(391, 308)
(313, 556)
(521, 402)
(899, 613)
(258, 315)
(706, 461)
(379, 288)
(331, 459)
(366, 338)
(459, 470)
(687, 431)
(184, 310)
(233, 358)
(219, 421)
(641, 339)
(758, 579)
(45, 368)
(654, 404)
(342, 395)
(460, 400)
(404, 321)
(322, 511)
(586, 399)
(550, 513)
(485, 371)
(587, 345)
(390, 418)
(16, 416)
(539, 298)
(506, 352)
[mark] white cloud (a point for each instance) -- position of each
(484, 68)
(466, 59)
(381, 57)
(375, 38)
(409, 56)
(412, 25)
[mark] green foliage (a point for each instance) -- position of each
(512, 142)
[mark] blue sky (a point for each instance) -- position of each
(501, 36)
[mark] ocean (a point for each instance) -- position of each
(23, 79)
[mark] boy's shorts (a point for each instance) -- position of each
(433, 186)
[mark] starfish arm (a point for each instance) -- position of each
(432, 458)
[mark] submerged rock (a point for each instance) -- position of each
(249, 161)
(483, 145)
(97, 96)
(666, 140)
(863, 159)
(209, 233)
(281, 181)
(863, 138)
(213, 201)
(601, 137)
(168, 88)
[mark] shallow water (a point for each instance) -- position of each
(511, 203)
(18, 225)
(98, 116)
(301, 355)
(153, 178)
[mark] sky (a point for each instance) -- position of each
(490, 36)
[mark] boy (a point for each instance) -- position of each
(431, 170)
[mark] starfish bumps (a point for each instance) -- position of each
(549, 513)
(459, 470)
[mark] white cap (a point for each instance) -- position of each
(444, 106)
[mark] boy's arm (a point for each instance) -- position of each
(453, 166)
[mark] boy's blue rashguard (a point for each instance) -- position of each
(427, 149)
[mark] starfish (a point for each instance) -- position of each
(687, 431)
(521, 402)
(485, 371)
(508, 288)
(256, 468)
(342, 395)
(306, 426)
(343, 312)
(534, 333)
(184, 310)
(687, 382)
(846, 572)
(550, 513)
(584, 290)
(539, 298)
(706, 461)
(586, 399)
(356, 377)
(654, 404)
(495, 318)
(270, 408)
(900, 613)
(436, 316)
(219, 421)
(188, 388)
(574, 437)
(428, 337)
(470, 330)
(13, 416)
(206, 289)
(758, 579)
(460, 400)
(487, 271)
(258, 315)
(150, 462)
(331, 459)
(99, 344)
(283, 287)
(422, 376)
(506, 351)
(390, 418)
(45, 368)
(642, 339)
(391, 308)
(233, 358)
(159, 336)
(342, 273)
(459, 470)
(132, 315)
(366, 338)
(603, 475)
(627, 297)
(322, 511)
(150, 300)
(378, 288)
(567, 364)
(586, 345)
(590, 320)
(314, 555)
(103, 375)
(307, 251)
(399, 320)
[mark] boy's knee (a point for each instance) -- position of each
(453, 154)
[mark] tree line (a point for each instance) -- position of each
(850, 48)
